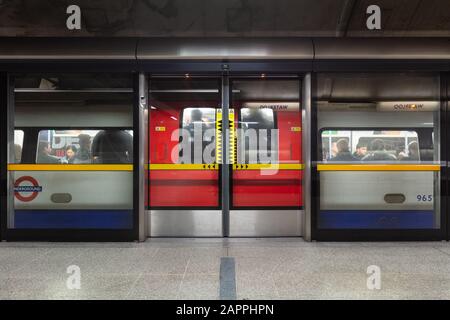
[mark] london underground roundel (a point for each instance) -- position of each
(26, 189)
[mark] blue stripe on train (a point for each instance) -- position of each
(73, 219)
(376, 219)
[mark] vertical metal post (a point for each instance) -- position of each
(3, 152)
(306, 146)
(225, 156)
(142, 135)
(10, 155)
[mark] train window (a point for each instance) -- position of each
(18, 145)
(378, 158)
(84, 146)
(374, 145)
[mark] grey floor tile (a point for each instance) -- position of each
(156, 287)
(204, 265)
(253, 286)
(189, 269)
(199, 287)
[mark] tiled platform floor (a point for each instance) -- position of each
(190, 269)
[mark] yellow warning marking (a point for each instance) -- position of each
(378, 167)
(280, 166)
(182, 166)
(232, 137)
(70, 167)
(219, 136)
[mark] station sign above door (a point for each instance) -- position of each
(276, 106)
(408, 106)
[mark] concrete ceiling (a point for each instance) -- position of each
(234, 18)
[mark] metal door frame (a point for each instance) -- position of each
(242, 70)
(7, 103)
(380, 234)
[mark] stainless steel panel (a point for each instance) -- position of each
(67, 49)
(224, 48)
(266, 223)
(185, 223)
(306, 155)
(10, 152)
(143, 153)
(378, 48)
(225, 170)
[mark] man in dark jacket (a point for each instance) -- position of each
(343, 152)
(44, 154)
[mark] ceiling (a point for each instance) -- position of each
(231, 18)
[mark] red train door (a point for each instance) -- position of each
(184, 174)
(266, 177)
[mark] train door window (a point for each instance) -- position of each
(184, 173)
(267, 170)
(76, 167)
(18, 145)
(199, 125)
(378, 151)
(262, 147)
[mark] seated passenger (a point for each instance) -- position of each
(360, 152)
(413, 152)
(83, 155)
(70, 154)
(378, 152)
(44, 154)
(343, 152)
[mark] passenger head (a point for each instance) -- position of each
(361, 149)
(44, 147)
(84, 140)
(377, 145)
(413, 149)
(71, 151)
(196, 115)
(342, 145)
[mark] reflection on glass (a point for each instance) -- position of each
(85, 120)
(378, 151)
(268, 122)
(18, 145)
(182, 143)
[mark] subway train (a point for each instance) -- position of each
(124, 139)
